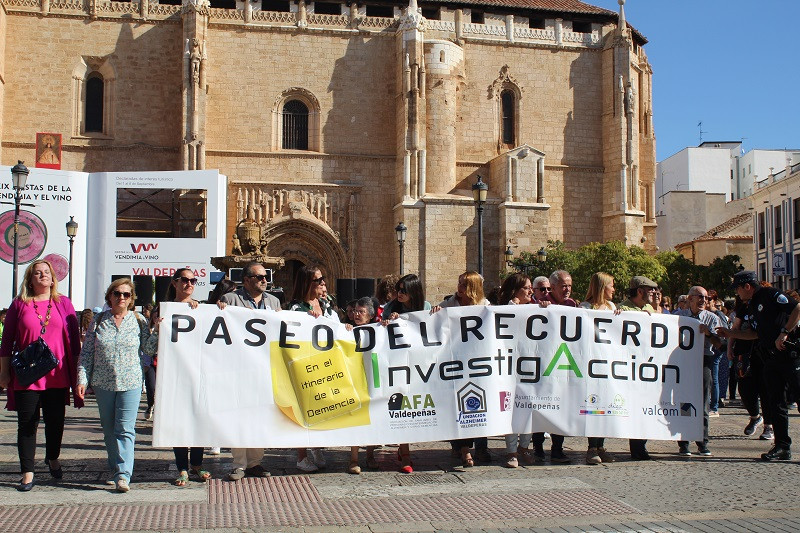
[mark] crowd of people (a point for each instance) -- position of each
(111, 352)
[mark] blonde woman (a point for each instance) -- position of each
(468, 292)
(598, 297)
(39, 311)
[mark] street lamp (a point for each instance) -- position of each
(401, 230)
(541, 255)
(19, 176)
(72, 230)
(509, 255)
(479, 191)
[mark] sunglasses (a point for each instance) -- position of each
(543, 289)
(319, 281)
(123, 295)
(259, 277)
(184, 279)
(706, 298)
(402, 290)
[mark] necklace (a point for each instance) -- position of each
(46, 320)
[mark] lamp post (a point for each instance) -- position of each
(479, 191)
(541, 255)
(19, 176)
(509, 255)
(72, 230)
(400, 230)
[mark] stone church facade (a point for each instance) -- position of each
(334, 121)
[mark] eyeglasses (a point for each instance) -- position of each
(359, 312)
(706, 298)
(190, 281)
(543, 289)
(319, 281)
(402, 290)
(122, 295)
(259, 277)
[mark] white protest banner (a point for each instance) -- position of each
(247, 378)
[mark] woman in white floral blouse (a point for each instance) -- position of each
(109, 363)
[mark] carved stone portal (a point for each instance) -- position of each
(313, 224)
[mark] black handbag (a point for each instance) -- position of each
(33, 363)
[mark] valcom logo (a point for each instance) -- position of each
(139, 247)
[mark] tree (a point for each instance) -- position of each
(680, 274)
(719, 274)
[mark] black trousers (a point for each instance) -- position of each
(782, 371)
(150, 384)
(754, 386)
(707, 364)
(557, 441)
(31, 405)
(186, 456)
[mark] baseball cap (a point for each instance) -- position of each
(641, 281)
(743, 277)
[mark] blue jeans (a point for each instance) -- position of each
(118, 417)
(715, 382)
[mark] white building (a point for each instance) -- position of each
(776, 219)
(756, 165)
(722, 173)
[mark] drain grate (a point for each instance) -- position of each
(428, 479)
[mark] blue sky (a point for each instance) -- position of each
(732, 64)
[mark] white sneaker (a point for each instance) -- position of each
(307, 465)
(122, 485)
(213, 451)
(318, 457)
(713, 414)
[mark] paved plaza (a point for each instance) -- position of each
(728, 492)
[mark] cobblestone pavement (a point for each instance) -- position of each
(729, 491)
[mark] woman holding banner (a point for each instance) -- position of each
(110, 364)
(310, 297)
(363, 314)
(39, 312)
(599, 297)
(188, 460)
(410, 298)
(517, 289)
(468, 292)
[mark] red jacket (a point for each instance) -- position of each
(72, 342)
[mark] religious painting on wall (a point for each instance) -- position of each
(48, 150)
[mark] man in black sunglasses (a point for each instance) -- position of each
(252, 294)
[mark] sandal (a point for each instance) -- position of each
(466, 460)
(182, 479)
(200, 474)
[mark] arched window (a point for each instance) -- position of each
(94, 103)
(295, 126)
(508, 110)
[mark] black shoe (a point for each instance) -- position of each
(777, 454)
(683, 449)
(558, 456)
(57, 473)
(640, 456)
(703, 450)
(25, 487)
(538, 454)
(482, 456)
(256, 471)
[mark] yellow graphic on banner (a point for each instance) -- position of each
(320, 390)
